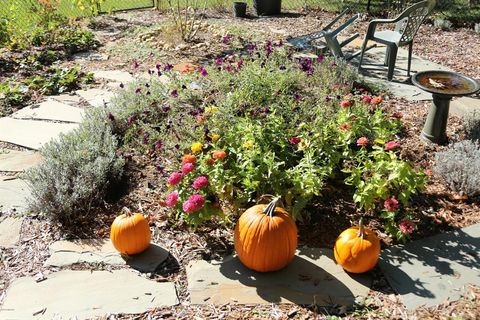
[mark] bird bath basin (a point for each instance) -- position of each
(443, 85)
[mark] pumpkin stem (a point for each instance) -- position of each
(361, 230)
(270, 208)
(126, 211)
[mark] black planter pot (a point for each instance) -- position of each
(267, 7)
(240, 9)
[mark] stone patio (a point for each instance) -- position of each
(13, 194)
(18, 161)
(50, 110)
(311, 278)
(10, 232)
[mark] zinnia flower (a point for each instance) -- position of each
(248, 144)
(174, 178)
(200, 182)
(367, 99)
(215, 137)
(194, 203)
(345, 126)
(187, 168)
(294, 140)
(346, 103)
(196, 147)
(219, 154)
(391, 145)
(391, 204)
(211, 109)
(406, 227)
(376, 100)
(362, 142)
(189, 158)
(172, 199)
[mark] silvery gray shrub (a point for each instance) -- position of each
(442, 24)
(459, 167)
(472, 126)
(76, 170)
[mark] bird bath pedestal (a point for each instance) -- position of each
(443, 85)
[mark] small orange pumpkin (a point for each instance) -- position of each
(357, 249)
(265, 237)
(130, 233)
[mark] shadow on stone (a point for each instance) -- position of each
(148, 260)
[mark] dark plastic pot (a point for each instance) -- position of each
(240, 9)
(267, 7)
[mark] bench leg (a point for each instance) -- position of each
(392, 58)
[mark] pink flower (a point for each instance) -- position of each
(391, 145)
(172, 199)
(362, 142)
(391, 204)
(294, 140)
(187, 168)
(200, 182)
(346, 103)
(194, 203)
(367, 99)
(376, 100)
(174, 178)
(407, 227)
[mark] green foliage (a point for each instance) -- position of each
(59, 81)
(76, 171)
(12, 95)
(4, 32)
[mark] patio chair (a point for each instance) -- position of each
(406, 27)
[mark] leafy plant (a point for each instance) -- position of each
(186, 17)
(77, 170)
(91, 6)
(59, 81)
(459, 167)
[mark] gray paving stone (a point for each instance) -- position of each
(50, 110)
(113, 75)
(17, 161)
(13, 194)
(90, 56)
(431, 270)
(96, 97)
(10, 232)
(312, 277)
(85, 295)
(64, 253)
(71, 99)
(31, 133)
(464, 106)
(374, 71)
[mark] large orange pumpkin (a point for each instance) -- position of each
(130, 233)
(265, 237)
(357, 249)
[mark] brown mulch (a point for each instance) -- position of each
(435, 211)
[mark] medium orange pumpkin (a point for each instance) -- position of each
(130, 233)
(357, 249)
(265, 237)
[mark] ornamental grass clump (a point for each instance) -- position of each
(76, 171)
(459, 167)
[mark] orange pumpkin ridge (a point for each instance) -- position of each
(130, 233)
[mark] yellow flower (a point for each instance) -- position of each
(215, 137)
(211, 109)
(196, 147)
(248, 144)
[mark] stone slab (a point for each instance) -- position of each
(85, 295)
(373, 70)
(13, 195)
(113, 75)
(64, 253)
(18, 161)
(464, 106)
(32, 134)
(71, 99)
(96, 97)
(50, 110)
(312, 277)
(431, 270)
(90, 56)
(10, 232)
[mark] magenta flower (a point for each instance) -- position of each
(320, 58)
(158, 145)
(110, 116)
(362, 142)
(218, 61)
(200, 182)
(226, 39)
(391, 204)
(172, 199)
(367, 99)
(391, 145)
(174, 178)
(407, 227)
(194, 203)
(146, 137)
(295, 140)
(187, 168)
(174, 93)
(203, 71)
(135, 64)
(168, 67)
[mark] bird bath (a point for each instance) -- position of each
(443, 85)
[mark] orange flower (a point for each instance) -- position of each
(376, 100)
(200, 119)
(210, 161)
(189, 158)
(219, 154)
(345, 126)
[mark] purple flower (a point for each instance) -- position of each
(226, 39)
(159, 73)
(268, 48)
(122, 85)
(172, 199)
(110, 117)
(159, 168)
(218, 60)
(158, 145)
(328, 98)
(320, 58)
(174, 178)
(279, 43)
(135, 64)
(168, 67)
(306, 65)
(174, 93)
(166, 108)
(297, 98)
(200, 183)
(203, 71)
(158, 66)
(138, 91)
(146, 137)
(240, 63)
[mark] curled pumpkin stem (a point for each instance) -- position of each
(361, 230)
(270, 208)
(126, 211)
